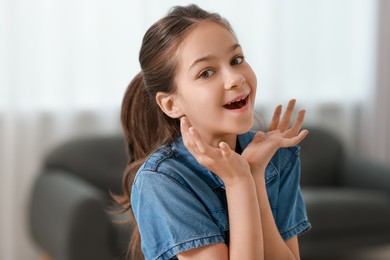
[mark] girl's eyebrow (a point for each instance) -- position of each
(209, 57)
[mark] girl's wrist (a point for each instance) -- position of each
(238, 180)
(258, 171)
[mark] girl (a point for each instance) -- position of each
(199, 184)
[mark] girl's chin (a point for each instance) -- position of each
(244, 127)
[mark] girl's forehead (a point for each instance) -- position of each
(207, 32)
(206, 39)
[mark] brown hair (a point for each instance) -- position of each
(146, 127)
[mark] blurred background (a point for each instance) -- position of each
(64, 67)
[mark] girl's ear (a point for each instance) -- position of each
(168, 104)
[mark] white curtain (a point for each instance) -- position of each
(376, 141)
(64, 66)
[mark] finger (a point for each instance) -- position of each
(295, 140)
(183, 129)
(184, 126)
(198, 141)
(188, 139)
(294, 130)
(287, 116)
(226, 151)
(275, 118)
(259, 137)
(301, 136)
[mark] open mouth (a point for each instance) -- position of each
(237, 104)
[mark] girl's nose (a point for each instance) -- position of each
(234, 79)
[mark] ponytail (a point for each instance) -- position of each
(136, 110)
(145, 128)
(144, 124)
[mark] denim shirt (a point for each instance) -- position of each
(179, 204)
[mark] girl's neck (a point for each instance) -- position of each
(230, 139)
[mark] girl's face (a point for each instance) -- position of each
(216, 87)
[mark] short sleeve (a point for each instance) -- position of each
(291, 217)
(170, 217)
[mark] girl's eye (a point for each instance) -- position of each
(237, 60)
(206, 74)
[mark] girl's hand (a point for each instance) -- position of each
(264, 145)
(224, 162)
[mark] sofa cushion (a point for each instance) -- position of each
(321, 158)
(99, 160)
(64, 213)
(346, 211)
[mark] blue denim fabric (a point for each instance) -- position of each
(179, 204)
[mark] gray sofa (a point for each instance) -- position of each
(348, 200)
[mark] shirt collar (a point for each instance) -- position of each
(182, 153)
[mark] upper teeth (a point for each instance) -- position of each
(234, 101)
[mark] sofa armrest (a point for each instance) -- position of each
(64, 211)
(366, 174)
